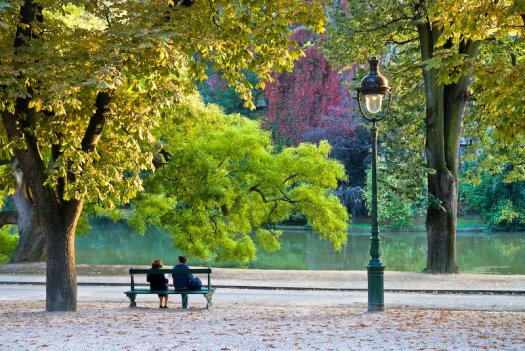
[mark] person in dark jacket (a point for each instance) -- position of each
(157, 281)
(180, 281)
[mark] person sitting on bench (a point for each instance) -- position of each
(180, 281)
(157, 281)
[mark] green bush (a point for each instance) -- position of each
(501, 204)
(8, 242)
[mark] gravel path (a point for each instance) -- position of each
(260, 319)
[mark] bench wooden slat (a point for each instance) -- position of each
(169, 271)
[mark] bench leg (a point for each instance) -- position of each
(132, 302)
(209, 296)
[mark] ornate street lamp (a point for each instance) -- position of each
(374, 87)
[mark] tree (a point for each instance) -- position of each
(435, 43)
(223, 181)
(82, 87)
(312, 96)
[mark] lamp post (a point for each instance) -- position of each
(373, 88)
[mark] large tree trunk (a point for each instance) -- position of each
(31, 240)
(445, 111)
(441, 223)
(61, 277)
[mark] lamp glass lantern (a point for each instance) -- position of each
(374, 88)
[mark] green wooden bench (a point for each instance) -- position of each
(207, 290)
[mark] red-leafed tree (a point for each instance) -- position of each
(311, 96)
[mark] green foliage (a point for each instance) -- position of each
(8, 242)
(214, 90)
(399, 202)
(7, 183)
(145, 55)
(500, 105)
(449, 65)
(150, 211)
(493, 176)
(223, 182)
(501, 203)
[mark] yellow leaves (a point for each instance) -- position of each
(508, 213)
(128, 48)
(319, 28)
(35, 104)
(163, 53)
(474, 20)
(260, 85)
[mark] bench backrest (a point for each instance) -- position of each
(170, 271)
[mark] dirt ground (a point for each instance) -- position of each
(231, 326)
(269, 318)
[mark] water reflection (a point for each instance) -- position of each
(497, 253)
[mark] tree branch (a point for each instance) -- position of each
(272, 211)
(28, 13)
(8, 217)
(96, 122)
(285, 198)
(385, 25)
(393, 41)
(259, 191)
(5, 162)
(292, 176)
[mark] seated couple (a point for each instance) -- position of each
(180, 282)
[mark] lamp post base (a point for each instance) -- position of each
(376, 292)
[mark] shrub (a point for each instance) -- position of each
(8, 242)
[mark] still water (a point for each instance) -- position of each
(495, 253)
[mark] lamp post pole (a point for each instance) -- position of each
(373, 88)
(375, 267)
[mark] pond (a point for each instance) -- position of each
(494, 253)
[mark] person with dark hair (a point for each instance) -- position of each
(157, 281)
(180, 281)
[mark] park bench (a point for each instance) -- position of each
(207, 290)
